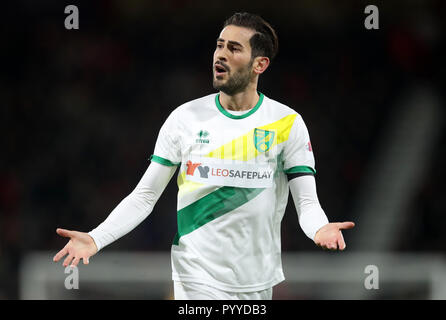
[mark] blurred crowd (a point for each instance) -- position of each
(81, 110)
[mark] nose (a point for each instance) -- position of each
(220, 55)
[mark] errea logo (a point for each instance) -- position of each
(202, 137)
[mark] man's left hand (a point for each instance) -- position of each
(330, 236)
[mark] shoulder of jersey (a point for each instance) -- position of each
(282, 108)
(197, 105)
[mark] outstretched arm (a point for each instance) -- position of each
(312, 218)
(130, 212)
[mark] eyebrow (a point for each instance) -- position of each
(230, 42)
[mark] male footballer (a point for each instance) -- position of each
(238, 153)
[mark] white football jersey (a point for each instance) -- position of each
(232, 189)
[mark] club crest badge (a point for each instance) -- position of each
(263, 139)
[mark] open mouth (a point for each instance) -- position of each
(219, 70)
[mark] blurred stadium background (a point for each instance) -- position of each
(81, 110)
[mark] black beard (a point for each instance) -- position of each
(236, 83)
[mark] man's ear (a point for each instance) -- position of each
(260, 64)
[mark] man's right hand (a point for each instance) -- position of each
(80, 246)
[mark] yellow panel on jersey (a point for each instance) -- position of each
(256, 141)
(186, 186)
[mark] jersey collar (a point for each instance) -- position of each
(232, 116)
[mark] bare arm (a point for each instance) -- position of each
(129, 213)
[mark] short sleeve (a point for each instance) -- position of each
(298, 155)
(167, 148)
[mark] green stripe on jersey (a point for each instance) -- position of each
(211, 207)
(300, 169)
(163, 161)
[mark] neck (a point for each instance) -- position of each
(241, 101)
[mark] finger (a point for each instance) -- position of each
(60, 254)
(64, 233)
(75, 262)
(341, 242)
(86, 260)
(67, 260)
(346, 225)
